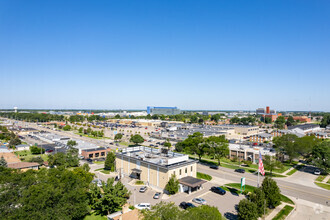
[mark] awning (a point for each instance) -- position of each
(191, 181)
(136, 170)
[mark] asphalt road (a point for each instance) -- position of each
(316, 195)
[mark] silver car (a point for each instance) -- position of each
(199, 201)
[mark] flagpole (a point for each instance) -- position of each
(258, 178)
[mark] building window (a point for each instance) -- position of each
(174, 173)
(186, 170)
(191, 168)
(102, 154)
(90, 155)
(97, 154)
(180, 172)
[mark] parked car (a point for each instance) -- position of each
(214, 167)
(48, 151)
(89, 160)
(255, 144)
(317, 172)
(199, 201)
(81, 157)
(186, 205)
(240, 170)
(157, 195)
(218, 190)
(143, 206)
(143, 189)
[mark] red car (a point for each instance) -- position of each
(255, 144)
(49, 151)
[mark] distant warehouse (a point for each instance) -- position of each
(163, 110)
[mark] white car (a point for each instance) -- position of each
(143, 206)
(199, 201)
(317, 172)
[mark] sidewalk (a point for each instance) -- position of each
(325, 180)
(275, 211)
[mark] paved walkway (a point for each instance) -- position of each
(275, 211)
(325, 180)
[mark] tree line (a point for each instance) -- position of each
(214, 146)
(32, 117)
(57, 193)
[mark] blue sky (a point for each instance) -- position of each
(119, 54)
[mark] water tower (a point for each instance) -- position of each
(15, 109)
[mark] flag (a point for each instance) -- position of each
(261, 165)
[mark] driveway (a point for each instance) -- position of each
(303, 177)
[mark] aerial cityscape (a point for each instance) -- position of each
(165, 110)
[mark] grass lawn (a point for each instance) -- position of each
(98, 162)
(249, 188)
(283, 213)
(291, 172)
(328, 181)
(102, 170)
(323, 185)
(320, 178)
(27, 155)
(95, 217)
(204, 176)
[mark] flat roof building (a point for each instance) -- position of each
(163, 110)
(156, 166)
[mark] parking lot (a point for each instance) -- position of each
(225, 203)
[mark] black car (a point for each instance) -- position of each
(89, 160)
(186, 205)
(218, 190)
(214, 167)
(240, 170)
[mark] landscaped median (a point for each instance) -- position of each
(283, 213)
(319, 182)
(278, 205)
(102, 170)
(204, 176)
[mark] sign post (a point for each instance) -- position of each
(242, 184)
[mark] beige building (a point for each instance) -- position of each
(246, 130)
(156, 166)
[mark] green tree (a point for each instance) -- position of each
(258, 197)
(286, 144)
(290, 121)
(3, 162)
(37, 159)
(14, 142)
(37, 150)
(320, 156)
(271, 163)
(173, 185)
(280, 122)
(163, 211)
(272, 192)
(325, 121)
(81, 130)
(203, 212)
(167, 144)
(89, 130)
(67, 128)
(71, 143)
(305, 145)
(195, 144)
(218, 147)
(110, 199)
(267, 120)
(215, 117)
(137, 139)
(118, 136)
(235, 120)
(44, 194)
(247, 210)
(109, 163)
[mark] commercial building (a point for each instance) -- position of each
(245, 152)
(163, 110)
(261, 138)
(24, 166)
(96, 153)
(156, 166)
(268, 113)
(304, 119)
(305, 128)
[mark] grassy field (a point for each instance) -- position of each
(98, 162)
(323, 185)
(283, 213)
(204, 176)
(291, 172)
(95, 217)
(26, 155)
(235, 165)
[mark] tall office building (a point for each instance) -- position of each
(163, 110)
